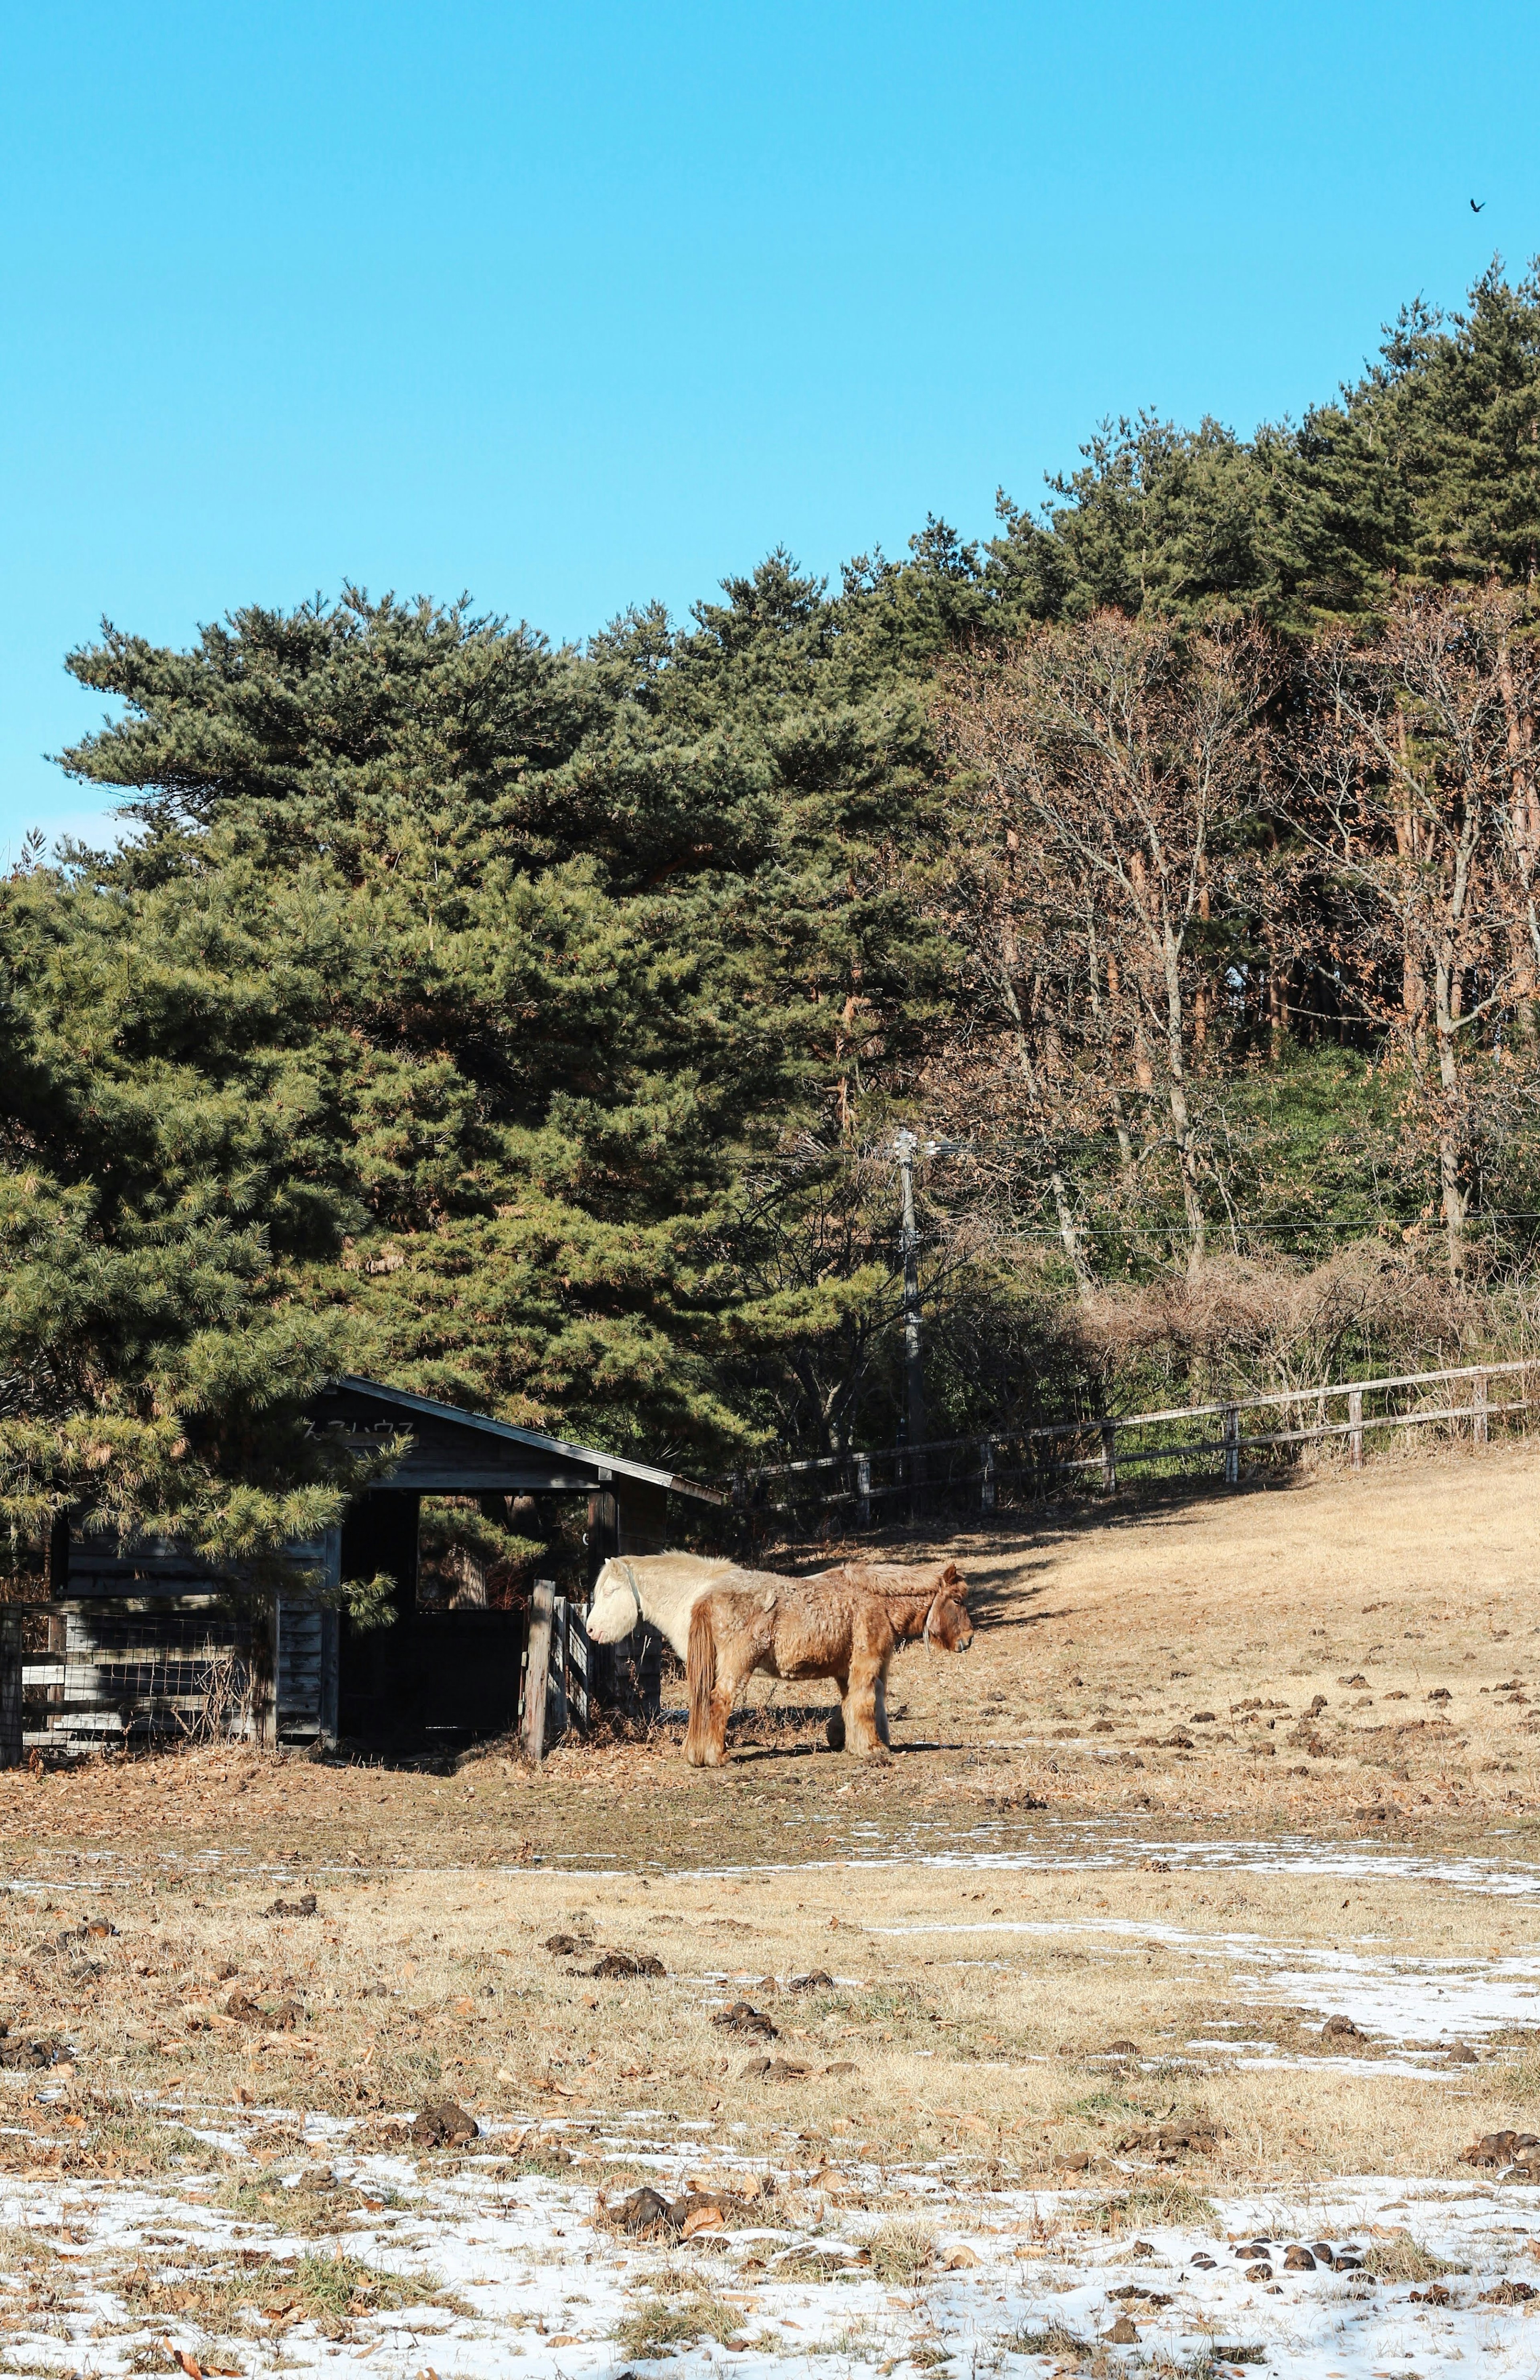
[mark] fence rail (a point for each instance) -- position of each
(1045, 1452)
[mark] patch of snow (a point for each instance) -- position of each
(544, 2291)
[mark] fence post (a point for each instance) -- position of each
(863, 1490)
(266, 1623)
(10, 1689)
(1108, 1454)
(1231, 1446)
(536, 1670)
(556, 1678)
(1479, 1424)
(986, 1475)
(1355, 1429)
(577, 1668)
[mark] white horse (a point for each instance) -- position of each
(664, 1588)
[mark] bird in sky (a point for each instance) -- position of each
(1474, 209)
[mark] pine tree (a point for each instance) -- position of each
(163, 1171)
(553, 941)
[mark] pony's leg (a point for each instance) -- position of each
(731, 1677)
(871, 1649)
(835, 1726)
(862, 1737)
(879, 1702)
(714, 1752)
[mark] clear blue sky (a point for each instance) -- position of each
(579, 305)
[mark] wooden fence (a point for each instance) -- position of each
(1109, 1446)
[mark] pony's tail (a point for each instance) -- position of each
(700, 1668)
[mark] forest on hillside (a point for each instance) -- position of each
(531, 1024)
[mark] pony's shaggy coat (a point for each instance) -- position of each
(845, 1624)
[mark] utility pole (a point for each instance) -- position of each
(905, 1146)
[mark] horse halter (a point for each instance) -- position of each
(631, 1583)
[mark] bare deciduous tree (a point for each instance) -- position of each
(1413, 784)
(1113, 762)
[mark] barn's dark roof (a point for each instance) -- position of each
(454, 1452)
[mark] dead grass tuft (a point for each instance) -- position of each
(1057, 2339)
(901, 2250)
(1206, 2364)
(1402, 2258)
(1151, 2202)
(690, 2310)
(330, 2288)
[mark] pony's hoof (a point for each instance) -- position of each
(834, 1732)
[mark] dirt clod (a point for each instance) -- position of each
(742, 2018)
(443, 2126)
(645, 2210)
(28, 2054)
(1498, 2148)
(1166, 2142)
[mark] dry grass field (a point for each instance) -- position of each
(1217, 1771)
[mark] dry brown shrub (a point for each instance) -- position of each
(1245, 1324)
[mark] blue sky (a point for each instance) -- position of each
(575, 306)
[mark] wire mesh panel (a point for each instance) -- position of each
(105, 1673)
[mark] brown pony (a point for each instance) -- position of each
(834, 1625)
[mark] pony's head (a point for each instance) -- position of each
(948, 1628)
(617, 1604)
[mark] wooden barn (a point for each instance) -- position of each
(142, 1640)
